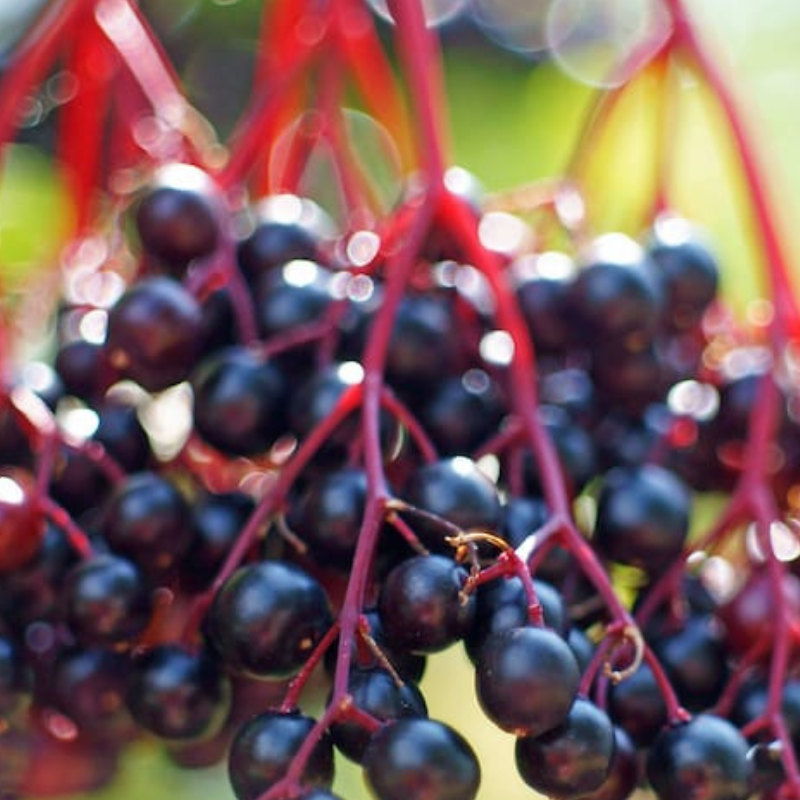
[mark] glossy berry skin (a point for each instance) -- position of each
(526, 679)
(502, 604)
(543, 302)
(78, 364)
(33, 592)
(616, 296)
(327, 516)
(267, 617)
(376, 692)
(217, 519)
(689, 271)
(238, 401)
(703, 759)
(752, 701)
(574, 446)
(421, 759)
(295, 295)
(421, 606)
(106, 600)
(637, 706)
(457, 490)
(642, 516)
(695, 660)
(176, 694)
(573, 758)
(409, 666)
(263, 748)
(272, 244)
(154, 333)
(176, 219)
(422, 344)
(88, 684)
(122, 435)
(462, 412)
(623, 774)
(148, 521)
(22, 524)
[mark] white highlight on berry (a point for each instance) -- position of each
(504, 233)
(694, 399)
(78, 422)
(497, 347)
(362, 247)
(351, 373)
(11, 493)
(783, 540)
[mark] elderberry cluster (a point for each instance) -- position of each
(188, 597)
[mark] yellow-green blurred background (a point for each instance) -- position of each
(513, 120)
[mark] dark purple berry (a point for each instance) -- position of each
(421, 604)
(421, 759)
(148, 521)
(526, 679)
(703, 759)
(573, 758)
(154, 333)
(267, 617)
(457, 490)
(376, 692)
(238, 401)
(642, 516)
(106, 600)
(176, 219)
(176, 694)
(263, 748)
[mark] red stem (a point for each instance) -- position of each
(268, 504)
(420, 59)
(787, 316)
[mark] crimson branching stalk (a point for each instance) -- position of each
(385, 435)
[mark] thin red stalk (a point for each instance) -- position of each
(82, 119)
(270, 501)
(675, 712)
(506, 437)
(787, 315)
(399, 270)
(132, 39)
(370, 69)
(420, 59)
(407, 532)
(741, 672)
(297, 684)
(223, 266)
(523, 375)
(78, 540)
(26, 68)
(256, 128)
(406, 418)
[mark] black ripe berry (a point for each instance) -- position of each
(267, 617)
(703, 759)
(264, 747)
(526, 679)
(642, 516)
(421, 604)
(421, 759)
(571, 759)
